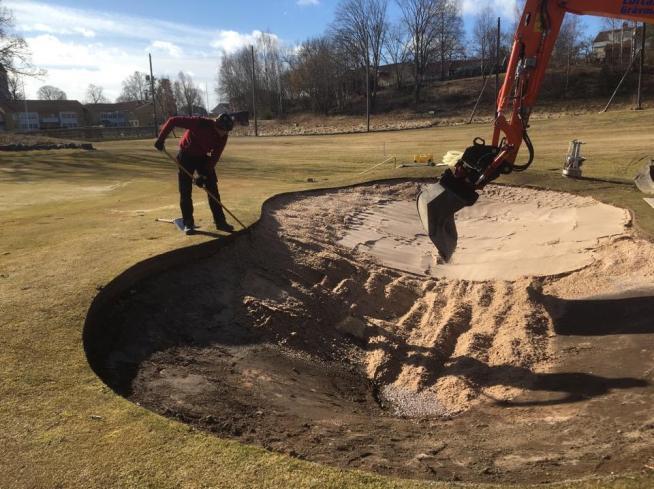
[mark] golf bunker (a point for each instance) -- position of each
(333, 333)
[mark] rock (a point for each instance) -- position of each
(45, 146)
(353, 326)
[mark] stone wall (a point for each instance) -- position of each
(97, 133)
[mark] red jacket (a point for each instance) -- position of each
(200, 138)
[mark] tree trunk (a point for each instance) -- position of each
(417, 81)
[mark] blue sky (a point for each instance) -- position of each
(102, 42)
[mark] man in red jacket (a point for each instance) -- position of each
(199, 150)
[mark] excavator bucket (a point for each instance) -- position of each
(645, 178)
(437, 204)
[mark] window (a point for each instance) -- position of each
(69, 119)
(113, 119)
(26, 120)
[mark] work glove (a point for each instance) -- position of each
(159, 145)
(200, 181)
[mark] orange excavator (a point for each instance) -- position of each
(482, 163)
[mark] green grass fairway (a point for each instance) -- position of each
(73, 220)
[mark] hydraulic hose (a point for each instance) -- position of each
(530, 148)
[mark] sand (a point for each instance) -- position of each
(510, 233)
(419, 317)
(305, 339)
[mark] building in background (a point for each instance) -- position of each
(121, 114)
(618, 45)
(33, 115)
(221, 108)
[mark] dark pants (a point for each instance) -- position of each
(199, 164)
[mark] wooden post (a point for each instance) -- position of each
(154, 104)
(639, 104)
(254, 96)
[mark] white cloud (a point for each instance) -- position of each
(231, 41)
(49, 29)
(85, 32)
(304, 3)
(114, 46)
(504, 8)
(167, 47)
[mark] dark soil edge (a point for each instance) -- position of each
(98, 333)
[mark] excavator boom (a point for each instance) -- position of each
(482, 163)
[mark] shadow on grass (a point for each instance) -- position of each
(574, 386)
(601, 317)
(34, 166)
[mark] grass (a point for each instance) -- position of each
(73, 220)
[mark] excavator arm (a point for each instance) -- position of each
(482, 163)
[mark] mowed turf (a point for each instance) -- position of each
(73, 220)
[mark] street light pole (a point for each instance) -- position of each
(254, 91)
(639, 104)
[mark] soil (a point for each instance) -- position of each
(288, 340)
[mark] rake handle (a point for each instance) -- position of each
(211, 196)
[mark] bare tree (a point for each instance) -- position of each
(484, 35)
(15, 87)
(271, 73)
(396, 51)
(359, 28)
(270, 82)
(15, 55)
(135, 88)
(569, 46)
(570, 41)
(188, 96)
(165, 98)
(449, 34)
(611, 24)
(313, 74)
(95, 95)
(235, 78)
(48, 92)
(419, 17)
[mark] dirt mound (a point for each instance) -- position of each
(290, 340)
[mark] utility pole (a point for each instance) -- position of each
(206, 94)
(254, 91)
(639, 104)
(27, 120)
(497, 63)
(367, 86)
(154, 104)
